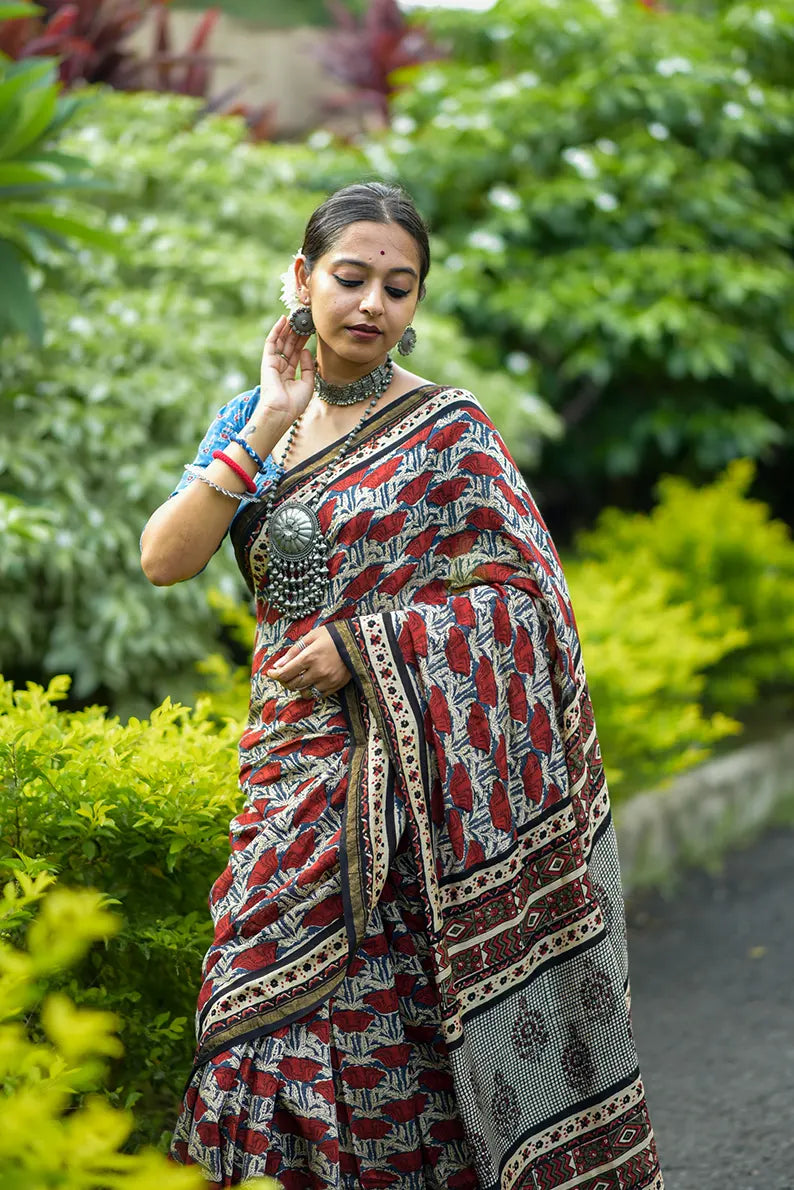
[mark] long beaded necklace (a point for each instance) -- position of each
(297, 550)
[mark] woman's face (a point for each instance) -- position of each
(363, 291)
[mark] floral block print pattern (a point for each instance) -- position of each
(418, 976)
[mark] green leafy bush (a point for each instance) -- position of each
(51, 1051)
(139, 354)
(685, 614)
(614, 186)
(32, 175)
(139, 812)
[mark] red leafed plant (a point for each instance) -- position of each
(365, 52)
(90, 37)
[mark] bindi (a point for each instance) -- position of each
(382, 252)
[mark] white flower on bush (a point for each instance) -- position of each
(605, 201)
(659, 131)
(289, 285)
(582, 162)
(486, 241)
(505, 198)
(734, 111)
(670, 66)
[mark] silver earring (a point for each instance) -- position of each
(407, 341)
(301, 321)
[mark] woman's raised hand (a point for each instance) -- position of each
(282, 390)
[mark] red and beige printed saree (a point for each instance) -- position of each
(418, 976)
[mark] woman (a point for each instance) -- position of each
(418, 975)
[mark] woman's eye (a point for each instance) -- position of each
(396, 293)
(346, 281)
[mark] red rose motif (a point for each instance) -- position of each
(463, 611)
(532, 777)
(447, 436)
(368, 1129)
(351, 1020)
(388, 527)
(485, 682)
(517, 699)
(457, 545)
(499, 807)
(415, 490)
(448, 491)
(478, 728)
(540, 728)
(460, 787)
(486, 519)
(381, 474)
(328, 910)
(457, 652)
(364, 582)
(455, 829)
(420, 544)
(362, 1076)
(439, 710)
(355, 528)
(395, 581)
(480, 463)
(523, 651)
(299, 851)
(503, 629)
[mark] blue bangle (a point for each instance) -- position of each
(249, 450)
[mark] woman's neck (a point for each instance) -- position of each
(334, 369)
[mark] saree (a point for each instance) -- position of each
(418, 975)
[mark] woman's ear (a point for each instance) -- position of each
(302, 278)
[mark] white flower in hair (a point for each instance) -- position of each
(289, 286)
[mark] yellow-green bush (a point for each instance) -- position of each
(140, 812)
(51, 1051)
(686, 616)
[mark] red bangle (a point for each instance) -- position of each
(250, 486)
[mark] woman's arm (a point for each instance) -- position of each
(181, 535)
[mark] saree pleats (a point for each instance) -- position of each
(423, 898)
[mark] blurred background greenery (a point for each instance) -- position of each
(610, 190)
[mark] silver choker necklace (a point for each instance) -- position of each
(374, 383)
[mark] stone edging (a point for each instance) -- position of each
(703, 813)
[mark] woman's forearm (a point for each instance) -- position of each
(182, 534)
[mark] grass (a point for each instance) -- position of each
(274, 14)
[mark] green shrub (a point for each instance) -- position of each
(52, 1051)
(719, 551)
(139, 354)
(614, 186)
(32, 176)
(685, 614)
(140, 812)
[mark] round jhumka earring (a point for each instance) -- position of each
(301, 321)
(407, 341)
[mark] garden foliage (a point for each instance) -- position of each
(32, 175)
(139, 812)
(140, 353)
(614, 189)
(51, 1052)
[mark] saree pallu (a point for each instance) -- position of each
(419, 976)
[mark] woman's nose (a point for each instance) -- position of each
(371, 300)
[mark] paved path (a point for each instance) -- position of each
(713, 1006)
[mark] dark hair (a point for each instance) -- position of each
(365, 202)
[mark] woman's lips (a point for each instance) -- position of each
(363, 332)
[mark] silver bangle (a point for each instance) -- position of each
(196, 472)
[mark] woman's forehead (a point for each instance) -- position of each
(376, 244)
